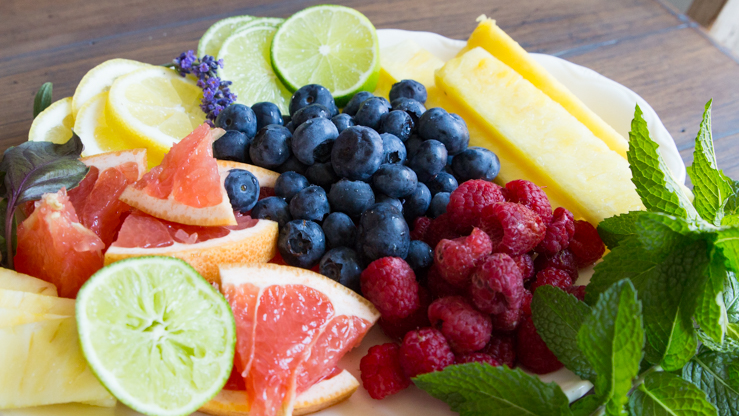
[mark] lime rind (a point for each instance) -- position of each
(156, 334)
(247, 64)
(334, 46)
(211, 41)
(274, 22)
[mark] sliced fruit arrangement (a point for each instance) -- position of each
(54, 124)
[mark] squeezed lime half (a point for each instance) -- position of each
(159, 337)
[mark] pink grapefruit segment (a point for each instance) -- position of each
(303, 325)
(54, 246)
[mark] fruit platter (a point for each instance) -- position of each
(311, 216)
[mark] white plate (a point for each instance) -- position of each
(609, 99)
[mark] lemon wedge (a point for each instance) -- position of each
(100, 78)
(53, 124)
(94, 131)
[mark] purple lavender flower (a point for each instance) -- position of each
(216, 92)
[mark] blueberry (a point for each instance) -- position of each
(393, 149)
(232, 146)
(382, 232)
(414, 108)
(270, 147)
(313, 140)
(417, 203)
(408, 88)
(353, 105)
(292, 164)
(428, 160)
(438, 204)
(420, 255)
(301, 243)
(242, 188)
(342, 121)
(442, 182)
(290, 126)
(476, 163)
(272, 208)
(351, 197)
(312, 94)
(340, 230)
(290, 183)
(322, 174)
(310, 112)
(412, 145)
(267, 113)
(437, 124)
(357, 153)
(395, 202)
(238, 117)
(396, 181)
(342, 265)
(398, 123)
(310, 203)
(370, 112)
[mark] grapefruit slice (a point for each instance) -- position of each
(292, 325)
(96, 198)
(186, 187)
(54, 246)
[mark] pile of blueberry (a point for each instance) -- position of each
(351, 182)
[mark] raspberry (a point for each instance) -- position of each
(532, 351)
(526, 264)
(396, 329)
(513, 228)
(390, 284)
(441, 227)
(455, 259)
(526, 302)
(468, 200)
(586, 244)
(531, 196)
(382, 374)
(577, 291)
(506, 321)
(564, 260)
(496, 284)
(420, 228)
(553, 277)
(477, 357)
(465, 328)
(439, 287)
(423, 351)
(502, 347)
(559, 232)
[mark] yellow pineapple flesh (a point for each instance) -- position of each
(10, 279)
(33, 303)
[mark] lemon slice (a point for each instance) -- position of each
(94, 131)
(333, 46)
(154, 107)
(211, 41)
(100, 79)
(53, 124)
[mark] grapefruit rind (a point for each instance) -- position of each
(345, 301)
(266, 177)
(257, 244)
(321, 395)
(108, 160)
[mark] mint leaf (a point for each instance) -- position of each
(659, 191)
(480, 389)
(710, 371)
(615, 229)
(612, 338)
(586, 406)
(710, 186)
(669, 395)
(558, 316)
(730, 220)
(729, 305)
(42, 99)
(728, 243)
(710, 313)
(732, 202)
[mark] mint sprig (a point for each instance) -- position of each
(716, 374)
(669, 395)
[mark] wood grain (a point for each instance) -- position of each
(705, 11)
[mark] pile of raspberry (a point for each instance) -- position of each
(493, 248)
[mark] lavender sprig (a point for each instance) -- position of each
(216, 93)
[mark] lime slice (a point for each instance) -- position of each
(262, 21)
(334, 46)
(156, 334)
(246, 63)
(213, 38)
(54, 124)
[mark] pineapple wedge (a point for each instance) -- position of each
(37, 304)
(406, 60)
(493, 39)
(12, 317)
(560, 153)
(13, 280)
(42, 364)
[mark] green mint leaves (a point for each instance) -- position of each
(42, 100)
(664, 394)
(717, 374)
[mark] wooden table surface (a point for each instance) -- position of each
(643, 44)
